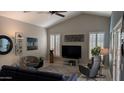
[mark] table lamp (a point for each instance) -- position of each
(104, 51)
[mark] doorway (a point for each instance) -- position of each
(116, 45)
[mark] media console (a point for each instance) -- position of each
(72, 62)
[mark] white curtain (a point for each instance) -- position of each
(55, 44)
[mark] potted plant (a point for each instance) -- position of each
(96, 54)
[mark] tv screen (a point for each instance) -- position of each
(71, 51)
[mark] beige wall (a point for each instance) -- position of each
(9, 27)
(83, 24)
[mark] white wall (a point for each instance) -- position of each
(82, 24)
(9, 27)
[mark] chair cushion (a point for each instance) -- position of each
(29, 61)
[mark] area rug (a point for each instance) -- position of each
(61, 69)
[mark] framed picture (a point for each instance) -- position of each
(32, 43)
(18, 43)
(74, 38)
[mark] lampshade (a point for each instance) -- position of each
(104, 51)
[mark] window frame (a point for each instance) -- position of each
(96, 41)
(55, 48)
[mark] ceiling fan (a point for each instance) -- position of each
(58, 13)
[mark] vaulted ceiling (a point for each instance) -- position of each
(45, 19)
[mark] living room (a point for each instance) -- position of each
(60, 29)
(43, 50)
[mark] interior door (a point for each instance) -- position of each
(116, 55)
(117, 52)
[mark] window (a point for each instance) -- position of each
(95, 39)
(55, 44)
(52, 42)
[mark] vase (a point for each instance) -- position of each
(97, 59)
(51, 56)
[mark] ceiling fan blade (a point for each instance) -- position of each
(60, 15)
(51, 12)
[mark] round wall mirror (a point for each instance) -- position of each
(6, 44)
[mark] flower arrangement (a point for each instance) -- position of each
(96, 51)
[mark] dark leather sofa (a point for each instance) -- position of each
(11, 73)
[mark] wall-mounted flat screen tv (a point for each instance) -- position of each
(73, 52)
